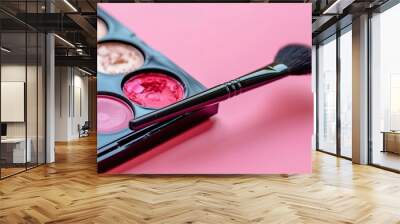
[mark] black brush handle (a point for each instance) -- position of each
(211, 96)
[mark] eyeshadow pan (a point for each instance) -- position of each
(101, 29)
(118, 58)
(153, 89)
(113, 114)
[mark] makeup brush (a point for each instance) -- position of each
(293, 59)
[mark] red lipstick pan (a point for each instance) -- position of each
(153, 89)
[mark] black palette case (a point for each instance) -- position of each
(116, 148)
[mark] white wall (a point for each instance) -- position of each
(70, 84)
(33, 126)
(81, 85)
(61, 103)
(12, 73)
(12, 101)
(50, 94)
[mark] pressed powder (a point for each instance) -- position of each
(118, 58)
(113, 114)
(101, 29)
(153, 89)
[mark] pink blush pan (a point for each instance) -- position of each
(113, 114)
(153, 90)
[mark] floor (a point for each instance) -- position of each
(10, 171)
(387, 159)
(70, 191)
(5, 172)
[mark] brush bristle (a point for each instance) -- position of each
(296, 57)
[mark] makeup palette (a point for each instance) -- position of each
(133, 79)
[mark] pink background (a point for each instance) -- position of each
(267, 130)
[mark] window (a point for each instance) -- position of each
(22, 76)
(385, 89)
(346, 92)
(327, 95)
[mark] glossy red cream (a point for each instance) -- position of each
(153, 90)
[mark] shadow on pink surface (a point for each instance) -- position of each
(276, 114)
(264, 131)
(169, 145)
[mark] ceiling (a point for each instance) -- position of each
(332, 15)
(75, 22)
